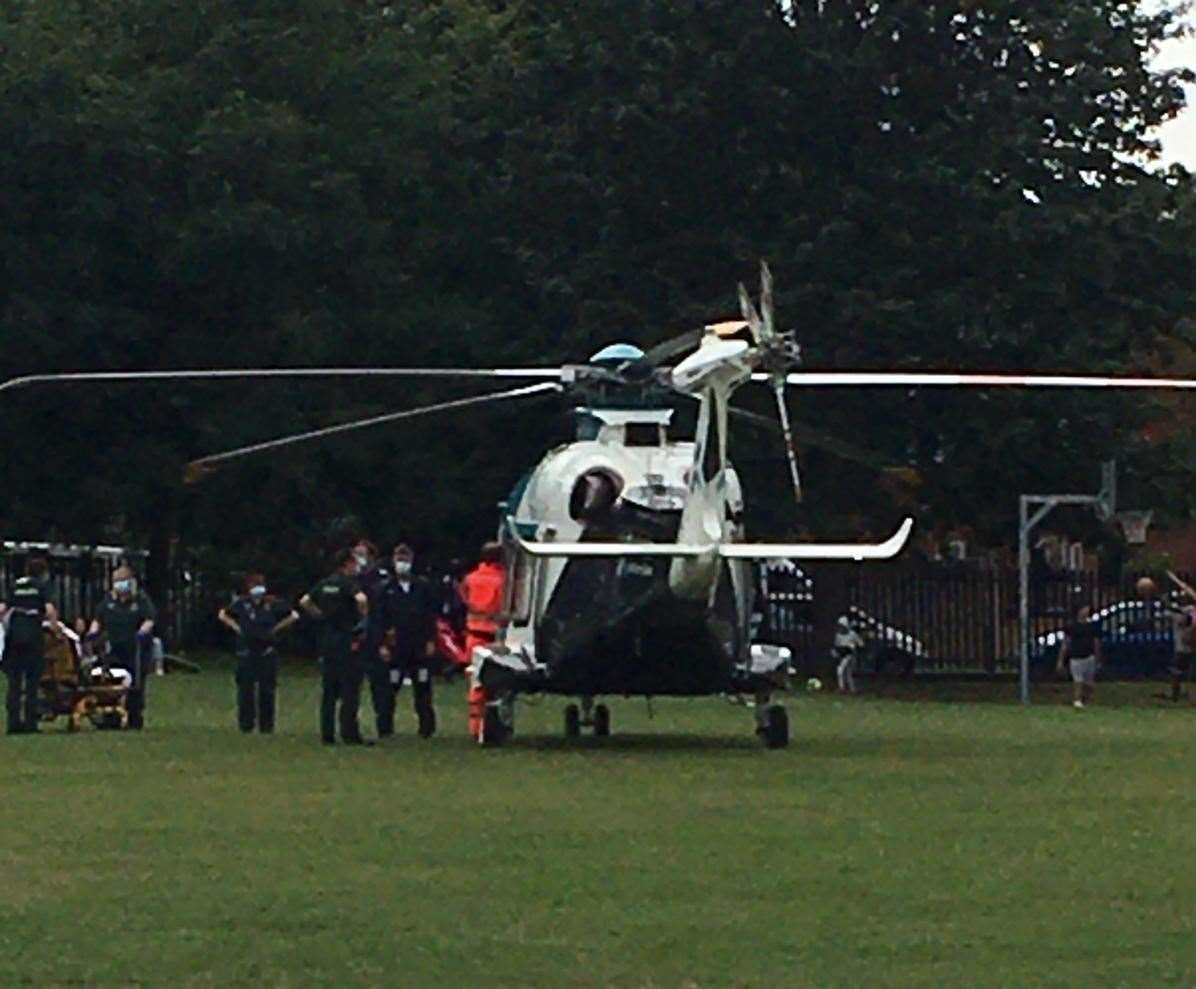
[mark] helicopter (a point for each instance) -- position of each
(629, 571)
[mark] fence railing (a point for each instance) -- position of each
(944, 621)
(82, 576)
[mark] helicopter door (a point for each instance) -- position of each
(522, 573)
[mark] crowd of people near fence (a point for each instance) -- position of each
(381, 627)
(377, 623)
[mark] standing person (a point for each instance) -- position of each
(257, 618)
(410, 618)
(127, 617)
(339, 605)
(1183, 631)
(1081, 649)
(452, 607)
(30, 604)
(482, 592)
(370, 644)
(846, 646)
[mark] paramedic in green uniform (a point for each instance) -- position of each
(127, 617)
(339, 605)
(258, 619)
(30, 604)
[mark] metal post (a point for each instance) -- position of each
(1026, 524)
(1023, 575)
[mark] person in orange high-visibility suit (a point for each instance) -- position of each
(482, 592)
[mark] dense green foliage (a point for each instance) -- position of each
(894, 844)
(455, 182)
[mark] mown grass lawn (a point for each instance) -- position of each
(916, 843)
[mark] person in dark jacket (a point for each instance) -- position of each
(410, 608)
(340, 606)
(370, 644)
(257, 618)
(30, 605)
(1081, 650)
(126, 617)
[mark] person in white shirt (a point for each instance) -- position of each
(847, 642)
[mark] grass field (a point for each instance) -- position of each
(922, 843)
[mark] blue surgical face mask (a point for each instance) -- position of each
(403, 567)
(123, 586)
(257, 591)
(363, 561)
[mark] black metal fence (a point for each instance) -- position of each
(82, 575)
(961, 621)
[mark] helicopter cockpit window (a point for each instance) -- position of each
(588, 427)
(643, 434)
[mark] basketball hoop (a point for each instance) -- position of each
(1134, 526)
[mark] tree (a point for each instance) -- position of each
(482, 182)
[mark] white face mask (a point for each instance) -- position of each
(363, 561)
(257, 591)
(403, 568)
(123, 587)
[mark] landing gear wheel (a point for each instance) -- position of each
(776, 728)
(572, 721)
(601, 721)
(494, 732)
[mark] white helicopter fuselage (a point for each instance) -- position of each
(627, 567)
(650, 477)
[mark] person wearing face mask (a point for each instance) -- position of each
(370, 642)
(126, 617)
(257, 619)
(409, 613)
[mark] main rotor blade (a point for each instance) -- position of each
(217, 374)
(956, 379)
(199, 469)
(674, 346)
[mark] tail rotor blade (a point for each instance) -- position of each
(751, 315)
(766, 307)
(787, 429)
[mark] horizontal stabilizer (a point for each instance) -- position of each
(731, 551)
(614, 549)
(820, 551)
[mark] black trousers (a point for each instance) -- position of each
(23, 668)
(382, 694)
(129, 656)
(341, 687)
(421, 693)
(257, 684)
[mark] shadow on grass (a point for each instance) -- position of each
(1043, 693)
(641, 742)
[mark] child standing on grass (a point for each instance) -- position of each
(847, 642)
(1081, 650)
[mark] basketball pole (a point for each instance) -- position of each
(1032, 509)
